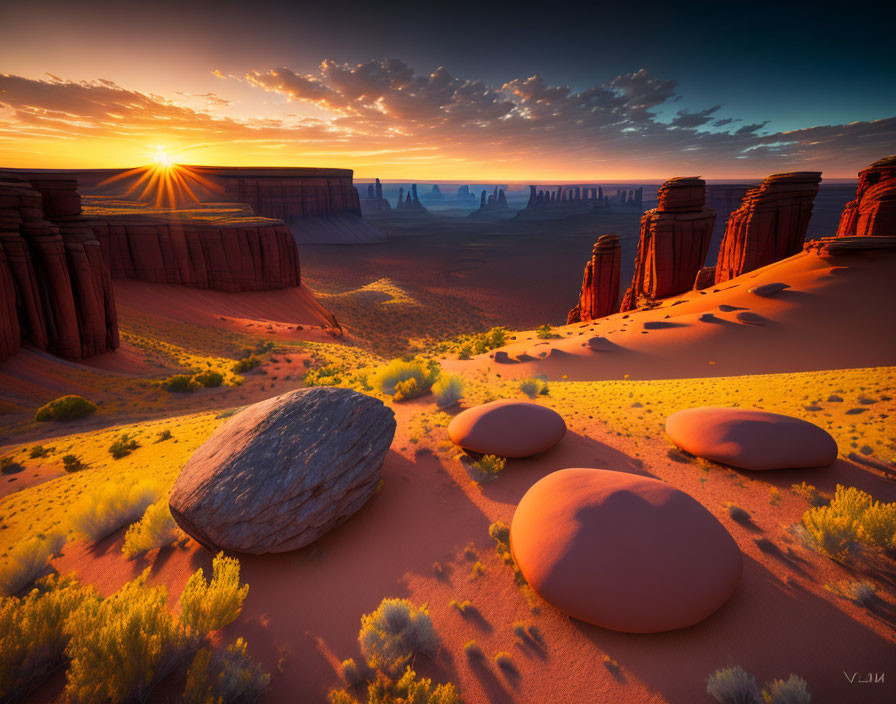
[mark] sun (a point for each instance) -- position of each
(162, 159)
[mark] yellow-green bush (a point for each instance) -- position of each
(65, 408)
(852, 517)
(156, 529)
(28, 561)
(123, 446)
(111, 506)
(448, 390)
(407, 689)
(209, 378)
(246, 364)
(122, 646)
(405, 378)
(208, 606)
(394, 632)
(224, 676)
(32, 633)
(180, 384)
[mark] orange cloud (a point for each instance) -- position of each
(383, 119)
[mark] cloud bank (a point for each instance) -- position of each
(384, 118)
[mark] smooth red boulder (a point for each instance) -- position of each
(751, 439)
(622, 551)
(600, 286)
(507, 429)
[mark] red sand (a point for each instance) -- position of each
(829, 318)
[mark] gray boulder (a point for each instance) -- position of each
(281, 473)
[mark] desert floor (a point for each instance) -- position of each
(829, 336)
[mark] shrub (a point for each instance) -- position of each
(809, 493)
(163, 436)
(28, 561)
(122, 447)
(329, 375)
(408, 689)
(208, 606)
(9, 466)
(504, 660)
(733, 685)
(111, 506)
(394, 632)
(790, 691)
(65, 408)
(32, 634)
(351, 673)
(465, 352)
(72, 463)
(477, 570)
(529, 387)
(472, 650)
(520, 630)
(877, 525)
(831, 531)
(394, 378)
(209, 379)
(39, 451)
(544, 332)
(121, 646)
(246, 364)
(863, 593)
(461, 606)
(407, 389)
(224, 676)
(490, 465)
(534, 387)
(156, 529)
(739, 515)
(179, 384)
(851, 517)
(494, 338)
(448, 390)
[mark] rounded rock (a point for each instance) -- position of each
(282, 472)
(622, 551)
(751, 439)
(507, 429)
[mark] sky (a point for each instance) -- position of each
(450, 90)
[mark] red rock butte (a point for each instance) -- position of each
(770, 224)
(873, 212)
(674, 242)
(600, 286)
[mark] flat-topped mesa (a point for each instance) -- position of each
(600, 285)
(873, 212)
(673, 245)
(243, 254)
(61, 298)
(287, 193)
(770, 224)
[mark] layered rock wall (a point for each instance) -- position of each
(674, 241)
(873, 212)
(249, 256)
(61, 292)
(770, 225)
(284, 193)
(600, 286)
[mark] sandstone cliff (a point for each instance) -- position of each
(61, 292)
(770, 224)
(248, 254)
(600, 286)
(674, 241)
(873, 212)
